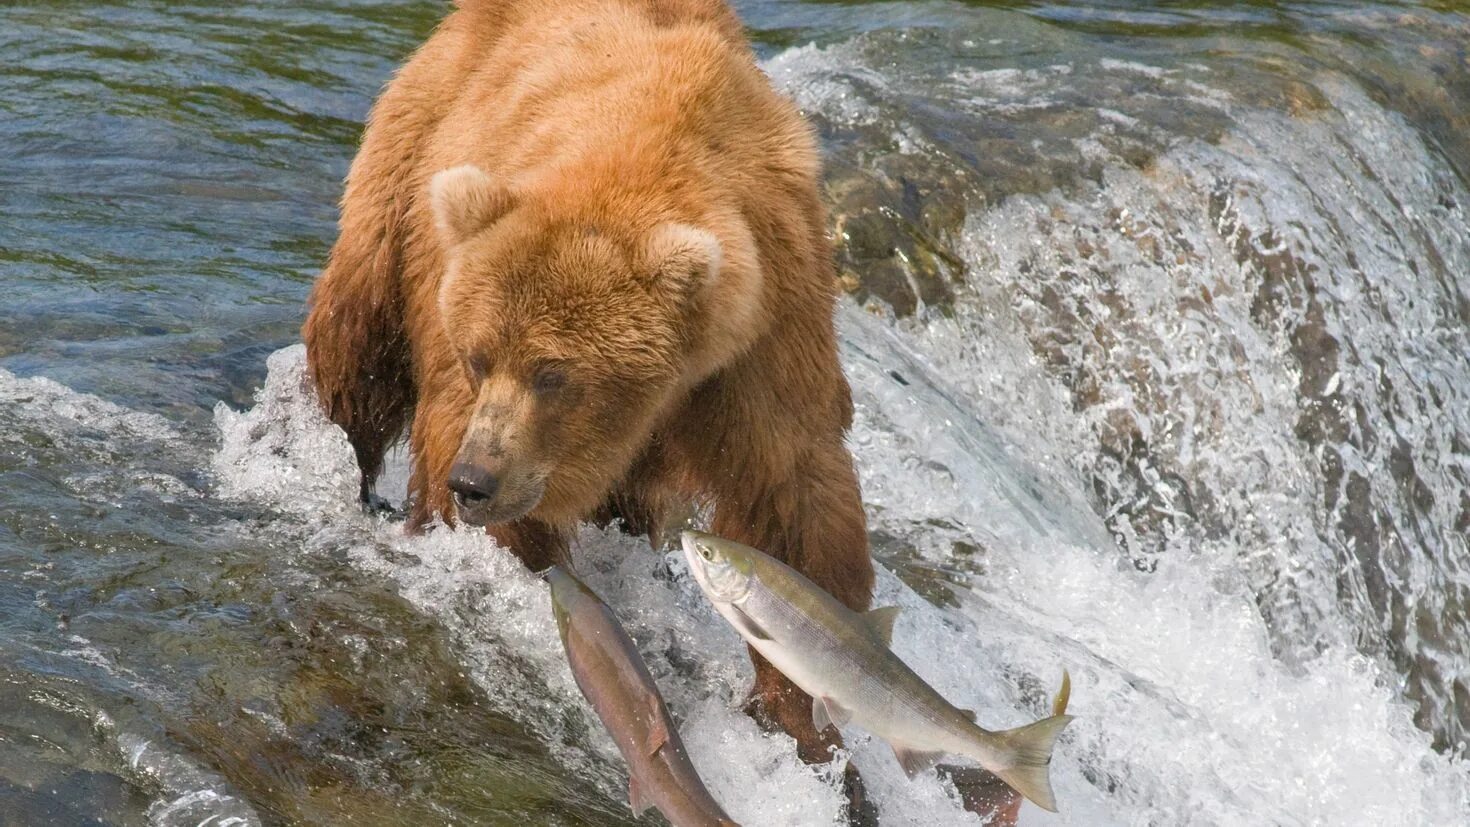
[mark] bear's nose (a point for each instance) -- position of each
(472, 486)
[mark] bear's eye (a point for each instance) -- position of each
(549, 380)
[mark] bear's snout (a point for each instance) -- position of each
(473, 487)
(492, 492)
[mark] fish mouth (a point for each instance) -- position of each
(557, 579)
(690, 541)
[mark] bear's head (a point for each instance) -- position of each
(572, 340)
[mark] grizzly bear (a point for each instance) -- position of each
(583, 260)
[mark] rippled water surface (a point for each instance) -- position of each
(1158, 328)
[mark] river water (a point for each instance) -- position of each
(1158, 329)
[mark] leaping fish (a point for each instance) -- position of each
(842, 659)
(614, 679)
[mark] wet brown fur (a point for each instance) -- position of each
(606, 120)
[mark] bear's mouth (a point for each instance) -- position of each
(511, 502)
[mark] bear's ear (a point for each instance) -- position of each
(683, 257)
(465, 201)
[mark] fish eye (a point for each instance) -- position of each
(706, 553)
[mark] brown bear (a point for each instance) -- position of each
(583, 258)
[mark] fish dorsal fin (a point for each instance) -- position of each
(880, 621)
(915, 761)
(1059, 704)
(635, 797)
(827, 712)
(747, 625)
(658, 728)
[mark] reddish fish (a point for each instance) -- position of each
(614, 680)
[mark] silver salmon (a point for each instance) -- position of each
(842, 659)
(612, 676)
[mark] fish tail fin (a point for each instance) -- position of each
(1030, 748)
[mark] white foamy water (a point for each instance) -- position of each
(76, 422)
(192, 796)
(1186, 715)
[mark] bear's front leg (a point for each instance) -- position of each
(811, 518)
(438, 426)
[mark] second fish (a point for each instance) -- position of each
(612, 676)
